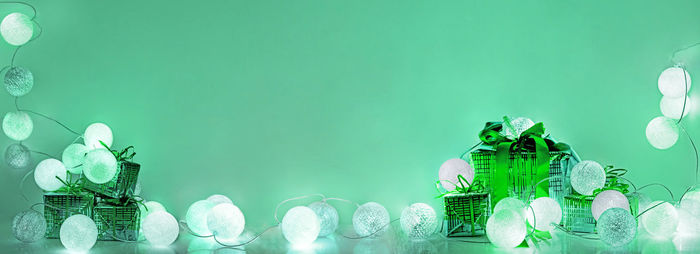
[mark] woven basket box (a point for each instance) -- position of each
(121, 185)
(466, 214)
(59, 206)
(117, 222)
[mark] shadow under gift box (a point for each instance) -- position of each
(122, 184)
(117, 222)
(59, 206)
(466, 214)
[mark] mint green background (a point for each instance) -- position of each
(263, 101)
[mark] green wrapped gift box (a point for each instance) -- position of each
(578, 216)
(58, 206)
(117, 222)
(466, 214)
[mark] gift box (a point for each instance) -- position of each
(466, 214)
(578, 216)
(58, 206)
(121, 185)
(117, 222)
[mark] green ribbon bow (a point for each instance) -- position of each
(612, 180)
(125, 155)
(463, 187)
(75, 188)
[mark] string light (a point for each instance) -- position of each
(616, 227)
(100, 166)
(545, 212)
(17, 125)
(451, 169)
(608, 199)
(661, 221)
(160, 228)
(16, 28)
(219, 199)
(672, 82)
(328, 217)
(78, 233)
(196, 217)
(418, 221)
(17, 156)
(29, 226)
(49, 173)
(370, 220)
(586, 176)
(511, 203)
(226, 221)
(18, 81)
(506, 229)
(673, 107)
(95, 133)
(662, 132)
(300, 226)
(74, 158)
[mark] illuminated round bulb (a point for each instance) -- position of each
(74, 157)
(608, 199)
(226, 221)
(672, 82)
(95, 133)
(17, 125)
(196, 217)
(520, 124)
(17, 156)
(511, 203)
(149, 207)
(17, 29)
(300, 226)
(506, 229)
(18, 81)
(545, 212)
(450, 169)
(662, 132)
(100, 166)
(78, 233)
(29, 226)
(370, 219)
(160, 228)
(688, 223)
(46, 172)
(661, 221)
(672, 107)
(587, 176)
(327, 216)
(691, 202)
(219, 199)
(616, 227)
(418, 221)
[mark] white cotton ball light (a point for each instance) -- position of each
(616, 227)
(587, 176)
(95, 133)
(74, 158)
(46, 173)
(300, 226)
(673, 107)
(608, 199)
(100, 166)
(688, 223)
(520, 125)
(17, 156)
(506, 229)
(17, 29)
(17, 125)
(544, 212)
(418, 221)
(662, 132)
(29, 226)
(219, 199)
(18, 81)
(370, 220)
(327, 216)
(511, 203)
(78, 233)
(450, 169)
(196, 217)
(160, 228)
(149, 207)
(672, 82)
(661, 221)
(226, 221)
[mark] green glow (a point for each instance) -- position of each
(300, 226)
(511, 203)
(73, 158)
(18, 81)
(226, 221)
(545, 212)
(661, 221)
(78, 233)
(95, 133)
(17, 125)
(100, 166)
(46, 173)
(196, 217)
(662, 132)
(17, 29)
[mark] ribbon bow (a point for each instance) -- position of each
(125, 155)
(475, 187)
(74, 188)
(612, 180)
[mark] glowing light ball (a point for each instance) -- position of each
(661, 221)
(16, 29)
(219, 199)
(370, 219)
(672, 107)
(300, 226)
(95, 133)
(520, 124)
(149, 207)
(160, 228)
(545, 212)
(18, 81)
(78, 233)
(226, 221)
(511, 203)
(327, 216)
(506, 229)
(616, 227)
(688, 224)
(691, 202)
(29, 226)
(17, 156)
(46, 172)
(450, 169)
(587, 176)
(672, 82)
(662, 132)
(17, 125)
(100, 166)
(608, 199)
(418, 221)
(196, 217)
(74, 157)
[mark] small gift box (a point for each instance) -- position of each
(466, 214)
(58, 206)
(117, 222)
(121, 185)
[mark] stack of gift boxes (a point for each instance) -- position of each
(112, 205)
(525, 165)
